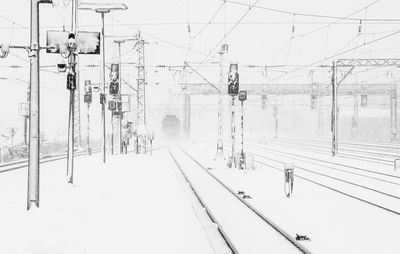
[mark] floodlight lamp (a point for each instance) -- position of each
(103, 7)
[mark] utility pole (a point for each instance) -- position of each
(77, 106)
(26, 116)
(71, 85)
(242, 160)
(233, 130)
(88, 130)
(334, 117)
(103, 88)
(354, 122)
(320, 119)
(112, 131)
(119, 99)
(88, 101)
(393, 114)
(275, 113)
(220, 140)
(186, 103)
(13, 131)
(34, 128)
(24, 112)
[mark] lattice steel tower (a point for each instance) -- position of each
(77, 109)
(141, 88)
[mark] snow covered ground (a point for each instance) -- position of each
(141, 204)
(334, 222)
(132, 204)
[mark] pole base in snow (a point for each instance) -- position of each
(302, 238)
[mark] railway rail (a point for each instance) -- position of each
(375, 153)
(381, 196)
(231, 198)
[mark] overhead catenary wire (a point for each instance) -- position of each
(210, 21)
(340, 53)
(229, 32)
(167, 42)
(312, 15)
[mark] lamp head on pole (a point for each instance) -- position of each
(103, 7)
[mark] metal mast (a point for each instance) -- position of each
(72, 85)
(354, 122)
(77, 99)
(34, 119)
(77, 107)
(220, 140)
(141, 90)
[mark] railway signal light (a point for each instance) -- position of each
(102, 98)
(364, 100)
(233, 80)
(88, 86)
(87, 98)
(112, 105)
(264, 101)
(313, 101)
(88, 92)
(118, 106)
(242, 96)
(71, 81)
(72, 44)
(114, 88)
(114, 73)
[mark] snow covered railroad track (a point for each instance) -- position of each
(351, 169)
(360, 192)
(386, 158)
(382, 146)
(48, 158)
(249, 229)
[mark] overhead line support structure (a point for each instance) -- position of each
(34, 108)
(33, 118)
(351, 64)
(141, 94)
(74, 120)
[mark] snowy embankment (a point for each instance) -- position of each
(132, 204)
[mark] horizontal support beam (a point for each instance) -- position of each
(294, 89)
(366, 62)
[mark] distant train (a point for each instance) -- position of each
(171, 126)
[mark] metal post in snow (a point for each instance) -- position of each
(34, 105)
(233, 130)
(88, 130)
(103, 105)
(334, 110)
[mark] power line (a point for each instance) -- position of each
(209, 22)
(230, 31)
(163, 40)
(12, 21)
(340, 53)
(311, 15)
(340, 19)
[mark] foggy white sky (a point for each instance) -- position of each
(263, 37)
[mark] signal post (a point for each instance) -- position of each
(233, 91)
